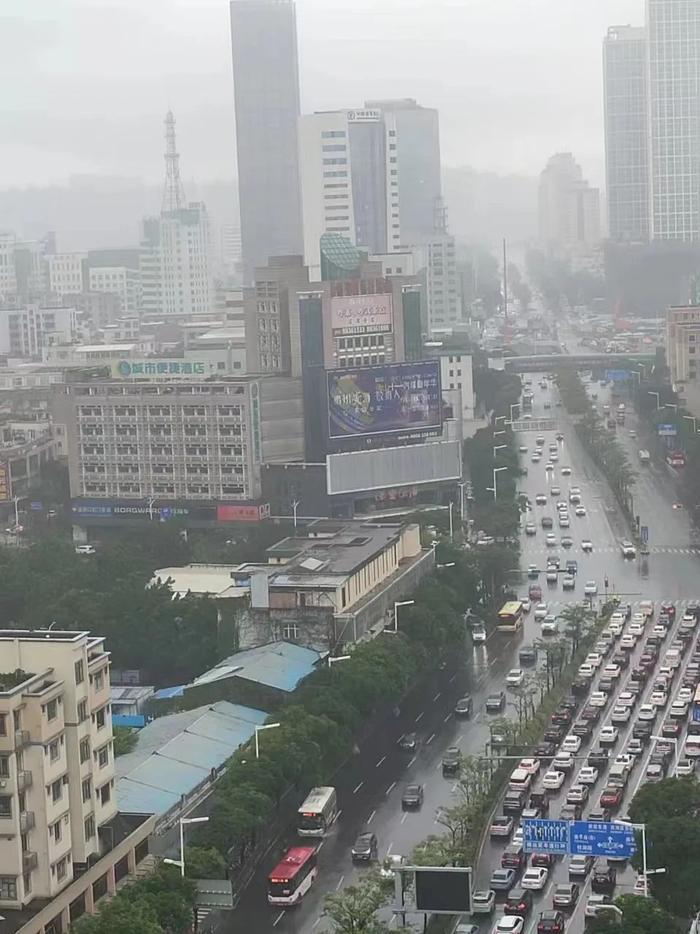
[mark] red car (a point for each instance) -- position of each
(535, 592)
(669, 609)
(611, 797)
(647, 662)
(544, 860)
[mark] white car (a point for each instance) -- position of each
(550, 627)
(515, 677)
(588, 775)
(586, 545)
(647, 607)
(581, 511)
(591, 589)
(483, 902)
(626, 699)
(540, 611)
(549, 466)
(566, 471)
(534, 879)
(647, 712)
(536, 456)
(617, 617)
(531, 766)
(553, 780)
(684, 767)
(526, 604)
(563, 762)
(625, 760)
(628, 550)
(517, 838)
(510, 924)
(660, 631)
(615, 627)
(571, 743)
(620, 715)
(628, 641)
(598, 699)
(608, 736)
(585, 670)
(594, 659)
(595, 905)
(658, 698)
(564, 522)
(678, 710)
(685, 695)
(550, 540)
(611, 671)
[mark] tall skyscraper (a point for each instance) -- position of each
(569, 210)
(417, 159)
(176, 269)
(673, 28)
(266, 91)
(626, 130)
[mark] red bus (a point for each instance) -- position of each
(675, 458)
(292, 877)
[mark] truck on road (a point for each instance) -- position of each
(644, 457)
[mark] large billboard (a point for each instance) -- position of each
(381, 400)
(361, 314)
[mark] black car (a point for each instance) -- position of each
(621, 658)
(555, 733)
(451, 761)
(545, 751)
(580, 686)
(604, 877)
(496, 702)
(571, 702)
(514, 802)
(539, 801)
(571, 566)
(519, 902)
(408, 742)
(412, 796)
(551, 922)
(592, 714)
(562, 715)
(583, 729)
(464, 706)
(642, 730)
(607, 685)
(365, 848)
(599, 758)
(527, 655)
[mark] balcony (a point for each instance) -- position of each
(26, 821)
(21, 739)
(29, 861)
(24, 780)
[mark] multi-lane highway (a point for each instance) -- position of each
(369, 789)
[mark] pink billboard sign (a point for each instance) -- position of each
(361, 314)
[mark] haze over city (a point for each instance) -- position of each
(91, 79)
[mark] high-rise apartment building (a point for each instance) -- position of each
(28, 330)
(673, 28)
(417, 156)
(66, 273)
(349, 181)
(266, 89)
(626, 129)
(569, 210)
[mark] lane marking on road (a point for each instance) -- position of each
(452, 678)
(278, 919)
(388, 849)
(320, 844)
(420, 716)
(316, 922)
(437, 697)
(358, 788)
(371, 817)
(390, 788)
(410, 762)
(340, 882)
(445, 719)
(430, 738)
(404, 816)
(383, 759)
(337, 816)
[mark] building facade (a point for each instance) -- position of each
(683, 343)
(349, 181)
(27, 331)
(626, 133)
(66, 273)
(266, 90)
(58, 808)
(164, 440)
(443, 283)
(122, 281)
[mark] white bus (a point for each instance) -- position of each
(318, 812)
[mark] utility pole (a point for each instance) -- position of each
(173, 193)
(505, 281)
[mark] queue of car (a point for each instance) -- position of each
(631, 724)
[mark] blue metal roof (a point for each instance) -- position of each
(281, 665)
(174, 754)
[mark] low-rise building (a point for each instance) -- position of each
(63, 843)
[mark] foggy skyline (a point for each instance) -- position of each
(91, 80)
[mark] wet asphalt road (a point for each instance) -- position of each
(369, 790)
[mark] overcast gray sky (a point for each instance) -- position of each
(86, 83)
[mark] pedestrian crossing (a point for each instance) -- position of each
(613, 550)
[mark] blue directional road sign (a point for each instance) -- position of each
(602, 838)
(545, 836)
(644, 534)
(617, 376)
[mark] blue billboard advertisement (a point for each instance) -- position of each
(374, 400)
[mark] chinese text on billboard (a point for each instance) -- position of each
(361, 314)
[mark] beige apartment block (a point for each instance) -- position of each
(59, 825)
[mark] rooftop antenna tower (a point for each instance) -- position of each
(173, 193)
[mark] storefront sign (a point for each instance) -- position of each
(138, 369)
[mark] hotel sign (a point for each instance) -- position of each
(159, 369)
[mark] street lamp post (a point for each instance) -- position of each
(514, 405)
(643, 829)
(461, 486)
(651, 392)
(671, 405)
(493, 488)
(259, 729)
(397, 604)
(498, 447)
(449, 564)
(332, 659)
(295, 506)
(694, 420)
(181, 862)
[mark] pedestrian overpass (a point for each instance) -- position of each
(548, 363)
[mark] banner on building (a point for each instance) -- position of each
(5, 491)
(361, 314)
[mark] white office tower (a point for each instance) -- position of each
(673, 30)
(569, 209)
(349, 181)
(8, 277)
(66, 273)
(176, 269)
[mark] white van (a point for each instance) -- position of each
(85, 550)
